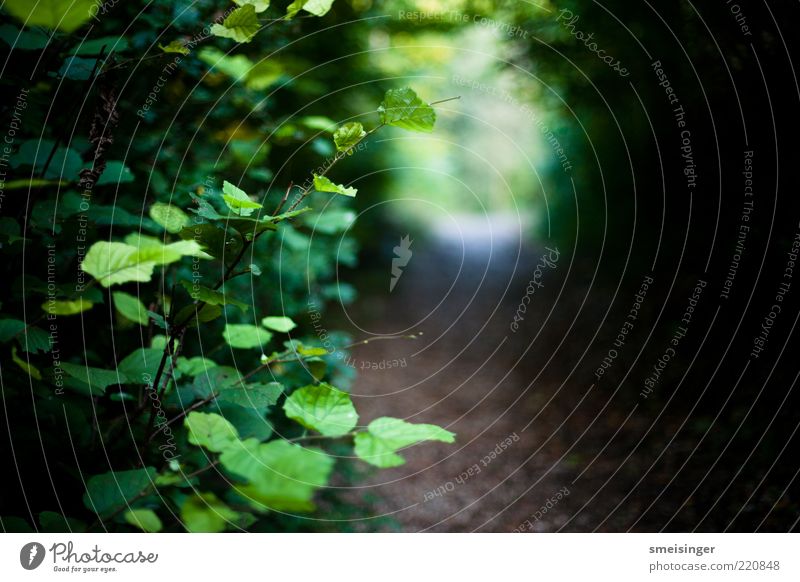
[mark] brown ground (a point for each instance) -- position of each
(470, 374)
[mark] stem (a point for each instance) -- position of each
(456, 98)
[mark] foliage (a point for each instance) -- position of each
(139, 264)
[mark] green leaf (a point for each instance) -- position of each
(53, 522)
(385, 436)
(192, 317)
(315, 7)
(175, 46)
(211, 296)
(214, 240)
(235, 66)
(258, 5)
(245, 336)
(97, 379)
(249, 423)
(35, 340)
(116, 172)
(280, 475)
(323, 184)
(130, 307)
(141, 365)
(112, 491)
(241, 25)
(29, 369)
(10, 328)
(150, 248)
(322, 408)
(290, 214)
(115, 262)
(93, 47)
(66, 15)
(402, 108)
(237, 200)
(311, 350)
(23, 39)
(144, 519)
(172, 218)
(66, 307)
(205, 513)
(195, 366)
(332, 221)
(279, 324)
(348, 135)
(210, 431)
(254, 395)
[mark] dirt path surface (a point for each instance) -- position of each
(528, 453)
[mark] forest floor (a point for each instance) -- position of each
(539, 448)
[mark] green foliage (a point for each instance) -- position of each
(151, 351)
(323, 184)
(245, 336)
(322, 408)
(210, 431)
(144, 519)
(130, 307)
(66, 15)
(348, 135)
(237, 200)
(379, 444)
(242, 24)
(172, 218)
(279, 324)
(111, 492)
(402, 108)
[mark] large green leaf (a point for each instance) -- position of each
(205, 513)
(249, 423)
(238, 200)
(254, 395)
(115, 262)
(151, 248)
(66, 306)
(9, 328)
(245, 336)
(402, 108)
(141, 365)
(280, 475)
(66, 15)
(216, 241)
(259, 5)
(279, 324)
(96, 378)
(322, 408)
(384, 436)
(112, 491)
(241, 25)
(130, 307)
(348, 135)
(172, 218)
(323, 184)
(212, 296)
(315, 7)
(144, 519)
(210, 431)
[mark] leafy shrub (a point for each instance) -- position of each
(113, 238)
